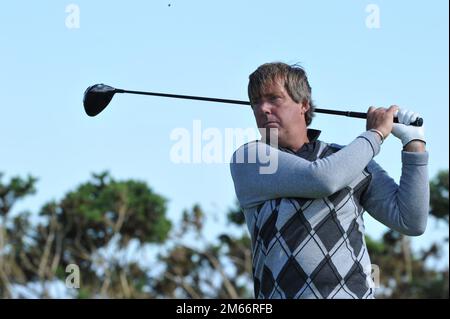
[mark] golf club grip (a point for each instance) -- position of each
(361, 115)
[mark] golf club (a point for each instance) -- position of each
(98, 96)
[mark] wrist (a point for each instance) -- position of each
(415, 146)
(379, 134)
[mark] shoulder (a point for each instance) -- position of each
(326, 149)
(254, 149)
(244, 148)
(246, 151)
(335, 146)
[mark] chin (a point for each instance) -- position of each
(274, 136)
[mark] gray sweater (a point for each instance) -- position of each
(306, 217)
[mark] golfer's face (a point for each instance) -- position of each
(275, 109)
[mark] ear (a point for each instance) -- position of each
(305, 106)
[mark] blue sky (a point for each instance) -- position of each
(206, 48)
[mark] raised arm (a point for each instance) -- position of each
(402, 207)
(291, 176)
(295, 176)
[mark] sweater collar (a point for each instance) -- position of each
(313, 136)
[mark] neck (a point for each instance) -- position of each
(297, 142)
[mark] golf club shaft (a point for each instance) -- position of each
(361, 115)
(186, 97)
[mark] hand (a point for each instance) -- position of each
(405, 132)
(381, 119)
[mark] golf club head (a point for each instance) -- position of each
(97, 97)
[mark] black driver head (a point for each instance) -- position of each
(97, 97)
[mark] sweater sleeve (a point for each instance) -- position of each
(261, 172)
(402, 207)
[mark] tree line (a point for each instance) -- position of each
(106, 228)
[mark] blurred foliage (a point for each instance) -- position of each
(109, 229)
(76, 229)
(404, 274)
(439, 195)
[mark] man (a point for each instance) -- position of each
(306, 217)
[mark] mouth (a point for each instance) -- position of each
(271, 124)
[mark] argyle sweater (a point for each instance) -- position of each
(306, 217)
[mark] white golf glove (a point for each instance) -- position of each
(405, 132)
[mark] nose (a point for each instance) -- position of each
(265, 107)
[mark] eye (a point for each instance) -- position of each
(275, 98)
